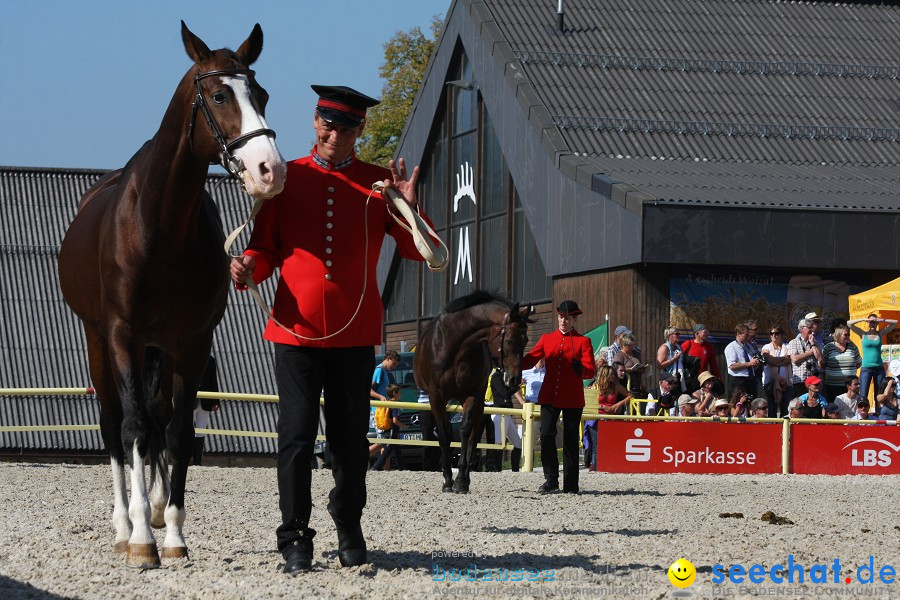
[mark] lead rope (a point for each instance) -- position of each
(427, 249)
(260, 301)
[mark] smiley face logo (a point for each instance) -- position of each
(682, 573)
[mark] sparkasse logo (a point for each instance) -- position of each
(636, 449)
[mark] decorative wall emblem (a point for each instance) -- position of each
(465, 188)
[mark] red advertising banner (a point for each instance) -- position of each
(845, 449)
(688, 447)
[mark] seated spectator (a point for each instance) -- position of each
(664, 397)
(847, 402)
(687, 406)
(833, 411)
(721, 408)
(888, 411)
(708, 392)
(759, 408)
(795, 409)
(889, 388)
(739, 402)
(813, 402)
(862, 411)
(621, 374)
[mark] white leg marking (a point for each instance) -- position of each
(174, 522)
(120, 502)
(139, 508)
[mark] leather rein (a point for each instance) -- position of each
(233, 164)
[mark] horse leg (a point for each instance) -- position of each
(445, 435)
(159, 471)
(469, 432)
(180, 443)
(111, 431)
(125, 357)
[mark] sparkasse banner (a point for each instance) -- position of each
(845, 449)
(695, 447)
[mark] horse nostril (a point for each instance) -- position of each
(265, 173)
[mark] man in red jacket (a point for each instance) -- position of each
(324, 232)
(569, 358)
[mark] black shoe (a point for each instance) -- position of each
(351, 546)
(548, 487)
(570, 490)
(298, 556)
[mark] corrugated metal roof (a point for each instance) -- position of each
(683, 98)
(42, 342)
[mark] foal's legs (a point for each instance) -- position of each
(445, 435)
(468, 436)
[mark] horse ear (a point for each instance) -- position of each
(526, 312)
(194, 46)
(252, 46)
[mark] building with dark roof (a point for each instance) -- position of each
(42, 343)
(668, 161)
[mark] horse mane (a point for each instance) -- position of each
(475, 298)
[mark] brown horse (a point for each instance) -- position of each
(453, 359)
(143, 267)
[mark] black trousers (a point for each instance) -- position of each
(571, 420)
(345, 376)
(747, 383)
(432, 455)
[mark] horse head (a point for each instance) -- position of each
(513, 340)
(233, 104)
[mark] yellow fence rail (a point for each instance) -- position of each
(527, 413)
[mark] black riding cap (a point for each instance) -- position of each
(568, 308)
(342, 105)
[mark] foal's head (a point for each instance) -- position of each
(228, 123)
(513, 340)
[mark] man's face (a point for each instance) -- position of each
(391, 364)
(687, 410)
(853, 388)
(334, 142)
(741, 337)
(832, 415)
(813, 391)
(702, 334)
(796, 412)
(862, 410)
(804, 332)
(816, 325)
(666, 386)
(566, 322)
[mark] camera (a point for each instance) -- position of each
(761, 358)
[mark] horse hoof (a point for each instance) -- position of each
(174, 552)
(142, 556)
(447, 489)
(459, 488)
(121, 547)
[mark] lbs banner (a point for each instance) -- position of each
(694, 447)
(845, 449)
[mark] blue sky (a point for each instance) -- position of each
(86, 82)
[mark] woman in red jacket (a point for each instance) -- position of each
(569, 358)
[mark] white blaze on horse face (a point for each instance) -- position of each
(266, 169)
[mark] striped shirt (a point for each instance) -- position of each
(801, 371)
(840, 365)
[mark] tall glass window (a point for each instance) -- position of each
(466, 189)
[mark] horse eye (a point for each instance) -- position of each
(219, 97)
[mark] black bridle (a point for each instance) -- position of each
(233, 164)
(502, 335)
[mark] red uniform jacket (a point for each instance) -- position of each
(316, 231)
(562, 387)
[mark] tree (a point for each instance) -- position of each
(406, 56)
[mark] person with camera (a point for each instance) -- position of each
(776, 373)
(741, 362)
(890, 389)
(805, 356)
(670, 357)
